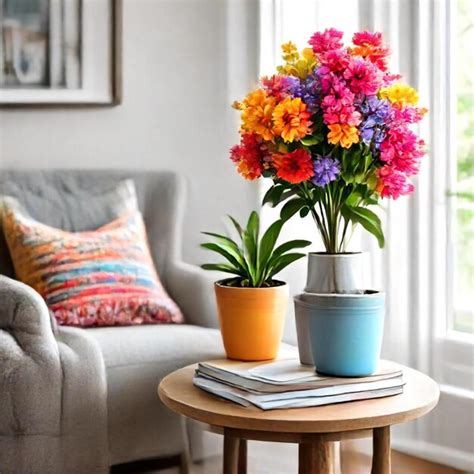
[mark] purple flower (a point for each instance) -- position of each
(376, 113)
(377, 109)
(326, 169)
(308, 91)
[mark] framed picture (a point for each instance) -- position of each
(60, 52)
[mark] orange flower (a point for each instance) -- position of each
(294, 167)
(257, 109)
(291, 120)
(344, 134)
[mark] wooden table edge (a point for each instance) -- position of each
(287, 426)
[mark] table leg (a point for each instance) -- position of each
(242, 462)
(381, 463)
(231, 455)
(315, 458)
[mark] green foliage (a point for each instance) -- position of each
(337, 207)
(368, 219)
(255, 261)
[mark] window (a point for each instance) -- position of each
(461, 205)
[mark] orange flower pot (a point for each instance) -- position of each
(251, 320)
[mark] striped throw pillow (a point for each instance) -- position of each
(104, 277)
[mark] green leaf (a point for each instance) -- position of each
(282, 262)
(253, 225)
(304, 211)
(267, 244)
(221, 267)
(367, 219)
(310, 140)
(290, 245)
(230, 246)
(226, 252)
(237, 226)
(273, 194)
(372, 181)
(223, 239)
(291, 208)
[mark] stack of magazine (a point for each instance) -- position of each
(288, 384)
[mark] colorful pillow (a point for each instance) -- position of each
(104, 277)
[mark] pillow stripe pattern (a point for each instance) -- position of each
(104, 277)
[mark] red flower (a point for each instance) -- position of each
(294, 167)
(248, 156)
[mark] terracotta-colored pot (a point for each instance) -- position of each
(251, 320)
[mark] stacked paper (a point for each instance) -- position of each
(288, 384)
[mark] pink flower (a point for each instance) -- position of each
(408, 114)
(363, 77)
(393, 183)
(366, 38)
(369, 45)
(335, 60)
(338, 104)
(389, 79)
(402, 150)
(328, 40)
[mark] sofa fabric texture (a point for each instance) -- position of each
(79, 400)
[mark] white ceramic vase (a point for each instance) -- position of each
(335, 273)
(327, 273)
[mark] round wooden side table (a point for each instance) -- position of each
(314, 429)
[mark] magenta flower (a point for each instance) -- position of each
(393, 183)
(363, 77)
(335, 60)
(367, 38)
(328, 40)
(338, 105)
(402, 149)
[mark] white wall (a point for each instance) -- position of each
(185, 61)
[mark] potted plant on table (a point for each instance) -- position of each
(332, 131)
(252, 304)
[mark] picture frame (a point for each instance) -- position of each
(60, 53)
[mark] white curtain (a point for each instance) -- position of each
(412, 267)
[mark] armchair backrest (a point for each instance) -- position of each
(160, 198)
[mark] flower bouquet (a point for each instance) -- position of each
(332, 130)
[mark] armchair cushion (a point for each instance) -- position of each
(138, 423)
(97, 278)
(66, 204)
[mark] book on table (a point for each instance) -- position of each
(286, 383)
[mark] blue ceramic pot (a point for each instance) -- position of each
(346, 332)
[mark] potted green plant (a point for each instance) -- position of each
(252, 304)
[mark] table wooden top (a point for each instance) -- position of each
(420, 396)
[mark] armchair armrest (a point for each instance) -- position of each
(52, 390)
(193, 290)
(29, 361)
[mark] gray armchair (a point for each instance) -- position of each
(81, 400)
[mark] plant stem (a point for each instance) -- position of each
(318, 220)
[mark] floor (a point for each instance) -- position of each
(262, 459)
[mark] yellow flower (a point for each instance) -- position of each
(291, 120)
(290, 52)
(296, 64)
(344, 134)
(400, 94)
(257, 109)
